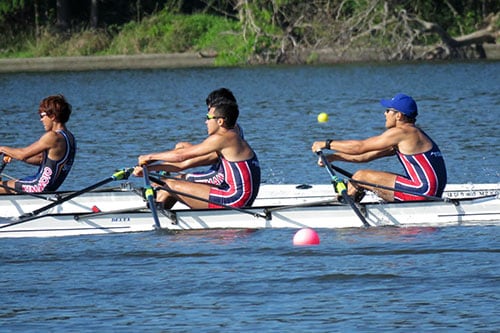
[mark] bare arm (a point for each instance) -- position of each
(187, 164)
(390, 138)
(361, 158)
(33, 153)
(202, 151)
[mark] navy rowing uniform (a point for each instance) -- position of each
(51, 174)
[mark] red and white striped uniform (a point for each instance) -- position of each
(425, 174)
(241, 184)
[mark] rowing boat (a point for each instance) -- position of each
(126, 196)
(479, 211)
(278, 206)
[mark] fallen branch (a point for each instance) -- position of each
(452, 46)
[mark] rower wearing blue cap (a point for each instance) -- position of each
(402, 103)
(423, 163)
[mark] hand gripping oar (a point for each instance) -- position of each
(119, 175)
(150, 196)
(341, 189)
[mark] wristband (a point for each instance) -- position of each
(328, 143)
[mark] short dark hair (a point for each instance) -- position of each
(218, 94)
(227, 110)
(56, 105)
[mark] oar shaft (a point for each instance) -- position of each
(341, 171)
(69, 197)
(149, 193)
(168, 189)
(341, 188)
(5, 160)
(119, 175)
(375, 186)
(122, 174)
(2, 166)
(349, 177)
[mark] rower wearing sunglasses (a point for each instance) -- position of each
(53, 153)
(215, 173)
(240, 175)
(423, 163)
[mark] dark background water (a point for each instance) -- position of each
(406, 280)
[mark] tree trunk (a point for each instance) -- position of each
(37, 20)
(94, 14)
(63, 14)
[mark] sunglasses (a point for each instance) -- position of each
(43, 114)
(209, 117)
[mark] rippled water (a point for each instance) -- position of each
(373, 280)
(376, 280)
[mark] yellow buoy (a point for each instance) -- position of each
(322, 117)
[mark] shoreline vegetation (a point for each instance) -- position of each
(242, 33)
(176, 60)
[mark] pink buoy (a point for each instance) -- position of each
(306, 236)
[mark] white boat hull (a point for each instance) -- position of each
(482, 211)
(269, 195)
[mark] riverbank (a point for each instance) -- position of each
(118, 62)
(176, 60)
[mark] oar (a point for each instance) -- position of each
(119, 175)
(341, 171)
(5, 159)
(150, 196)
(340, 188)
(430, 197)
(168, 189)
(349, 177)
(304, 204)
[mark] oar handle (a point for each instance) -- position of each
(337, 182)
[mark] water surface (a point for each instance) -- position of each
(356, 280)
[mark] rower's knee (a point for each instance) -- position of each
(356, 191)
(360, 174)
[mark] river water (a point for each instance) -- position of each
(398, 280)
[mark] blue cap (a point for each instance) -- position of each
(403, 103)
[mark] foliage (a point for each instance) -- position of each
(238, 31)
(7, 7)
(171, 33)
